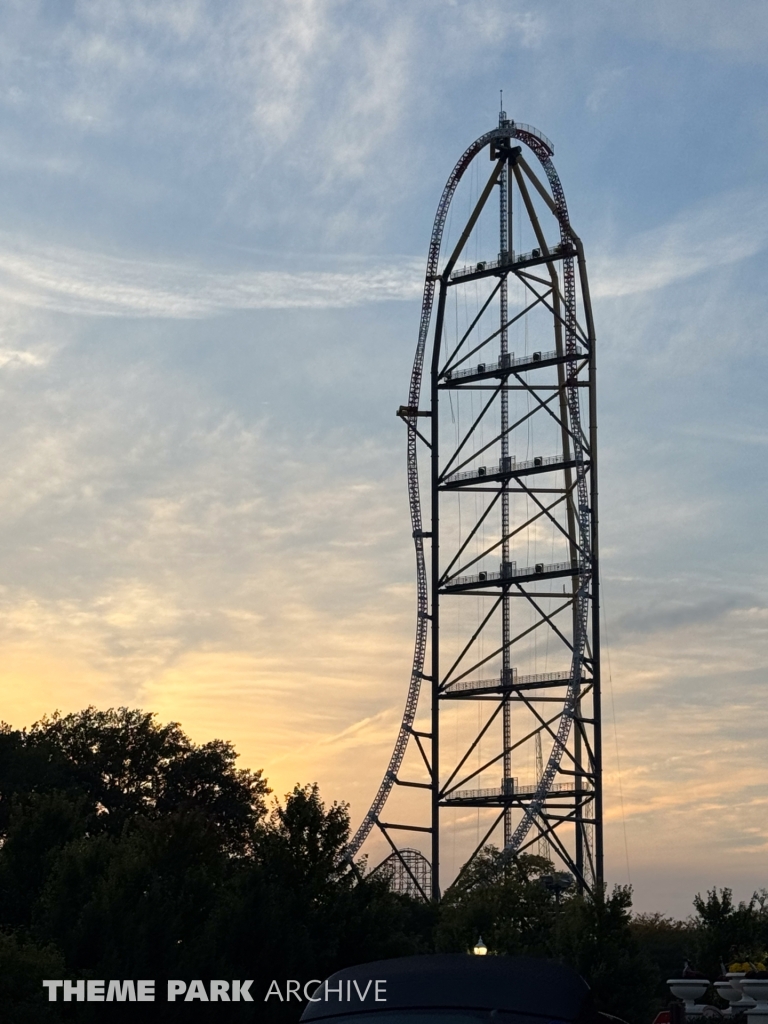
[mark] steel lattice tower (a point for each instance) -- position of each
(507, 567)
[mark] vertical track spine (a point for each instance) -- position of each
(504, 248)
(435, 589)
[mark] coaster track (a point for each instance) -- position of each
(579, 455)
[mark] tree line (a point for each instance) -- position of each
(128, 851)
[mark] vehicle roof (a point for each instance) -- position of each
(524, 985)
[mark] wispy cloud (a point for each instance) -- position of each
(724, 230)
(21, 357)
(74, 281)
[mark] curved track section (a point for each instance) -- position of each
(414, 498)
(546, 782)
(543, 151)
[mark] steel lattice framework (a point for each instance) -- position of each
(408, 872)
(509, 445)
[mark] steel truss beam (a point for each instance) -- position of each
(515, 501)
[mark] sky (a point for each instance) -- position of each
(214, 223)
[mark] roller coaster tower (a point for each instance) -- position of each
(504, 429)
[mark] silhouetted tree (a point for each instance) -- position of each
(667, 944)
(725, 931)
(125, 765)
(128, 851)
(594, 935)
(514, 906)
